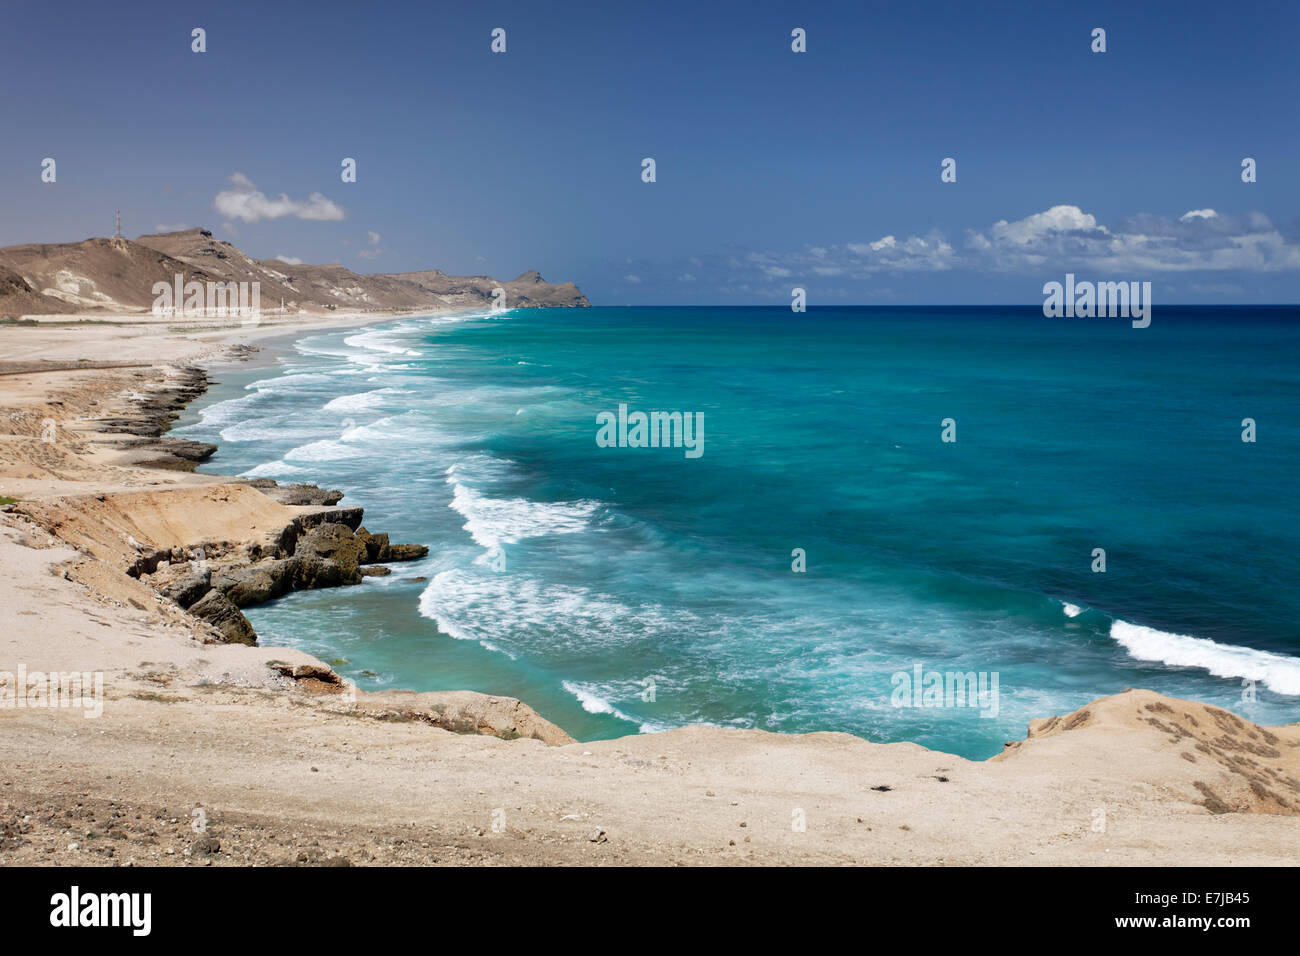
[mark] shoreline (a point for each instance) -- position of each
(276, 727)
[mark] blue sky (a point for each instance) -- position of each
(774, 169)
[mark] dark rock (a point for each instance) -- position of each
(345, 516)
(147, 562)
(318, 672)
(313, 573)
(205, 845)
(336, 544)
(194, 451)
(303, 495)
(313, 678)
(215, 608)
(405, 552)
(376, 571)
(376, 546)
(186, 590)
(256, 583)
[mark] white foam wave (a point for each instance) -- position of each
(359, 401)
(1278, 672)
(325, 450)
(593, 703)
(273, 469)
(1071, 610)
(285, 383)
(495, 521)
(378, 341)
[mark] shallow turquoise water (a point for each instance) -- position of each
(645, 589)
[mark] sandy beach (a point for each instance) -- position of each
(215, 753)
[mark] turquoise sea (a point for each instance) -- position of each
(624, 589)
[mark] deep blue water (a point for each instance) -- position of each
(630, 568)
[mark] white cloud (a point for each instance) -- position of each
(373, 236)
(249, 204)
(1058, 219)
(170, 227)
(291, 260)
(635, 280)
(1062, 237)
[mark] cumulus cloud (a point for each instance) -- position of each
(1057, 221)
(290, 260)
(1062, 237)
(373, 237)
(246, 202)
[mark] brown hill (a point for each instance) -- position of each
(93, 275)
(119, 275)
(529, 290)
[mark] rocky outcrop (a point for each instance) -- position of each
(215, 608)
(174, 454)
(154, 410)
(379, 551)
(187, 589)
(344, 516)
(302, 494)
(325, 554)
(256, 583)
(405, 552)
(311, 676)
(464, 712)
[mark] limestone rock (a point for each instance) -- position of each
(256, 583)
(215, 608)
(405, 552)
(332, 543)
(187, 589)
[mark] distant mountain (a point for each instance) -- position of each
(118, 275)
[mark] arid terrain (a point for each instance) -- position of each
(117, 275)
(213, 752)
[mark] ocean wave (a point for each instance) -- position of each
(477, 604)
(225, 413)
(287, 383)
(429, 608)
(260, 429)
(360, 401)
(492, 522)
(501, 396)
(379, 341)
(273, 469)
(329, 449)
(1071, 610)
(589, 696)
(1278, 672)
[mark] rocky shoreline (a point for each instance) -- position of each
(214, 580)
